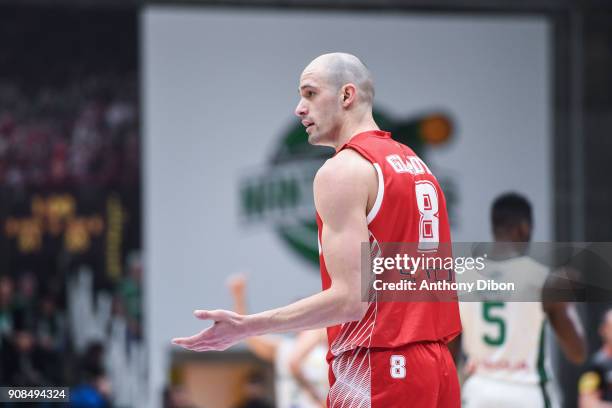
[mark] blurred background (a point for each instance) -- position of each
(148, 150)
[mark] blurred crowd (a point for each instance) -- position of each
(37, 346)
(80, 136)
(32, 329)
(84, 134)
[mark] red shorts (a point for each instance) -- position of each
(417, 375)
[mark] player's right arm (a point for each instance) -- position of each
(564, 320)
(341, 190)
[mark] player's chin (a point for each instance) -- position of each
(314, 138)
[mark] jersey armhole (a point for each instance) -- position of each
(381, 182)
(379, 195)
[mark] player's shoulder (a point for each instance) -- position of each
(343, 181)
(347, 166)
(348, 159)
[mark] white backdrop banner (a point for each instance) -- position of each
(228, 172)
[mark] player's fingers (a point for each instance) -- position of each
(198, 347)
(209, 347)
(210, 314)
(203, 314)
(188, 341)
(193, 348)
(179, 341)
(191, 345)
(207, 344)
(202, 348)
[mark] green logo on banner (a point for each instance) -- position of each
(280, 194)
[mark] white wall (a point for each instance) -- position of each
(220, 87)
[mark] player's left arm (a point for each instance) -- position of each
(341, 189)
(564, 320)
(563, 316)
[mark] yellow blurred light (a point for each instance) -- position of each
(436, 129)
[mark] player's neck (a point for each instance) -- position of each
(351, 129)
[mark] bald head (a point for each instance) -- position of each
(339, 69)
(336, 95)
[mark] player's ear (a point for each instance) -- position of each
(525, 231)
(348, 95)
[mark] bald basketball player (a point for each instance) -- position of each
(374, 189)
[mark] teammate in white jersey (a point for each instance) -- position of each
(504, 341)
(300, 367)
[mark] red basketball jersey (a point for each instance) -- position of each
(409, 207)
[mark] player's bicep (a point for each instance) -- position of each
(341, 196)
(341, 246)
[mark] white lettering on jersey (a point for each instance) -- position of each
(428, 205)
(412, 164)
(398, 366)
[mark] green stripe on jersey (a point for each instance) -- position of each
(541, 368)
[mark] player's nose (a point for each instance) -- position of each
(300, 109)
